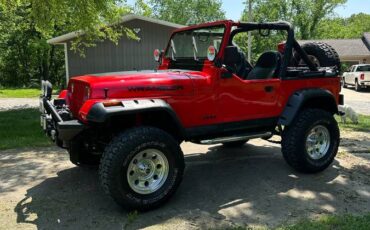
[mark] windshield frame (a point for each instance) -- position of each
(199, 27)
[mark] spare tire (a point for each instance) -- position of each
(320, 53)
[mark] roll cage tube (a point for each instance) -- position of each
(290, 43)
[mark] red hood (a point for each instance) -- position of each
(138, 84)
(131, 85)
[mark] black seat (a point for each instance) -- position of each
(267, 66)
(235, 61)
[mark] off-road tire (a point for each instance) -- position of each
(81, 157)
(294, 140)
(324, 53)
(234, 144)
(121, 151)
(357, 86)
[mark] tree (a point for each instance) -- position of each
(352, 27)
(26, 25)
(187, 12)
(25, 57)
(305, 15)
(90, 16)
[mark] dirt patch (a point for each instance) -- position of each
(355, 142)
(222, 187)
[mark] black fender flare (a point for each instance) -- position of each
(101, 114)
(299, 99)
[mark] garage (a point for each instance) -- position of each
(128, 54)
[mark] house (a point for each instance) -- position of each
(351, 51)
(129, 54)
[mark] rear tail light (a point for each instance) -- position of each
(362, 76)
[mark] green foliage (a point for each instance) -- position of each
(26, 25)
(304, 15)
(186, 12)
(19, 93)
(21, 128)
(25, 57)
(352, 27)
(141, 8)
(72, 15)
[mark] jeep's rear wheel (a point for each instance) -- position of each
(311, 142)
(142, 168)
(235, 144)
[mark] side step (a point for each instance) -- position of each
(246, 137)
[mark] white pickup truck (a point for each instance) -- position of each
(359, 76)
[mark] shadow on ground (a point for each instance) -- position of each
(20, 167)
(224, 187)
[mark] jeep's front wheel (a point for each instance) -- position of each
(311, 142)
(142, 168)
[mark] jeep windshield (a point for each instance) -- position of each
(193, 44)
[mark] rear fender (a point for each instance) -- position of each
(308, 98)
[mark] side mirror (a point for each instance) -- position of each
(231, 56)
(158, 55)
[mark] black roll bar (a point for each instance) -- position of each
(290, 43)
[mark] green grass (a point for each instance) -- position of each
(19, 93)
(344, 222)
(363, 124)
(21, 128)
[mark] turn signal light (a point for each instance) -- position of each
(112, 103)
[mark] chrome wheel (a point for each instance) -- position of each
(318, 142)
(147, 171)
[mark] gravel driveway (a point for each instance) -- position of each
(18, 103)
(252, 185)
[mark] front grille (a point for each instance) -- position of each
(76, 96)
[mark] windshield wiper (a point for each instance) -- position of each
(173, 49)
(195, 48)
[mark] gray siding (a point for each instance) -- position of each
(127, 55)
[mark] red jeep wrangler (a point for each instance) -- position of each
(204, 91)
